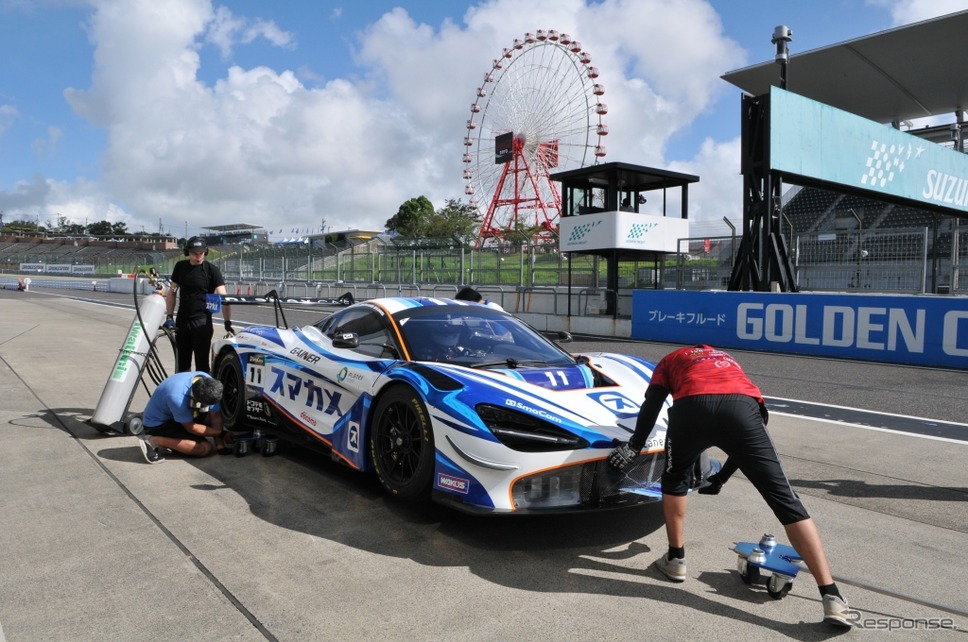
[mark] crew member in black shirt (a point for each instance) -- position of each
(192, 279)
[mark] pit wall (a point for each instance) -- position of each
(899, 329)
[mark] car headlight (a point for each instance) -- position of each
(527, 433)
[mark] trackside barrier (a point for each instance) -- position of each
(903, 329)
(409, 289)
(527, 295)
(449, 291)
(304, 290)
(374, 290)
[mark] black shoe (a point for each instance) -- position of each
(152, 456)
(712, 486)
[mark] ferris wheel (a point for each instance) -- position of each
(538, 111)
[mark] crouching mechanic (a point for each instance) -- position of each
(181, 415)
(715, 404)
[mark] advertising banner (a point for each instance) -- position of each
(817, 141)
(915, 330)
(623, 231)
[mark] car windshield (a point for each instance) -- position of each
(476, 336)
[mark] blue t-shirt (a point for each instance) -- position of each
(171, 400)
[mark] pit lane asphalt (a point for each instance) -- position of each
(96, 544)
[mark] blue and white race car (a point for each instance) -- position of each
(448, 400)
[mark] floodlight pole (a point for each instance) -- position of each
(762, 262)
(782, 35)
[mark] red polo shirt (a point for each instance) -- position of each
(702, 370)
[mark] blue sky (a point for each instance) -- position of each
(181, 114)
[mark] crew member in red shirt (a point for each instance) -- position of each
(716, 404)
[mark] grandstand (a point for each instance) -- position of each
(809, 210)
(235, 234)
(84, 254)
(814, 210)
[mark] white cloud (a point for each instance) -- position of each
(223, 31)
(8, 114)
(271, 32)
(46, 147)
(226, 30)
(909, 11)
(719, 192)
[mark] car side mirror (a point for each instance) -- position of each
(348, 340)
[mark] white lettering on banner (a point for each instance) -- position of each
(779, 323)
(945, 188)
(913, 337)
(834, 317)
(801, 328)
(843, 327)
(949, 341)
(864, 321)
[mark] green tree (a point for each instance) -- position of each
(455, 220)
(107, 228)
(22, 226)
(412, 219)
(100, 228)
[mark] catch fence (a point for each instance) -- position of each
(915, 260)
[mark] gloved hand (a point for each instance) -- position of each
(228, 326)
(622, 456)
(169, 324)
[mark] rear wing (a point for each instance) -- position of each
(214, 302)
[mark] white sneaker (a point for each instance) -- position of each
(152, 456)
(835, 611)
(674, 569)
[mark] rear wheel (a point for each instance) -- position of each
(402, 444)
(228, 370)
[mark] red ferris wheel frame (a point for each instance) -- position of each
(520, 172)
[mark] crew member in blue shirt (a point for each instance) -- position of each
(182, 413)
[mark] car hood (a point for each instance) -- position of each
(600, 414)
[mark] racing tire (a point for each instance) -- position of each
(228, 370)
(402, 444)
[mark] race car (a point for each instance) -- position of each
(448, 400)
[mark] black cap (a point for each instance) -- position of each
(196, 244)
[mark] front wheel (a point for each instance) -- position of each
(402, 444)
(228, 370)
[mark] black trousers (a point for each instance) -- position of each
(194, 338)
(734, 424)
